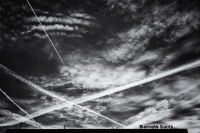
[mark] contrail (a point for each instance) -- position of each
(45, 32)
(19, 119)
(143, 81)
(51, 94)
(118, 89)
(19, 107)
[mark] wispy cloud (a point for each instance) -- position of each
(96, 76)
(158, 112)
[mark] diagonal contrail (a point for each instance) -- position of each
(117, 89)
(20, 119)
(53, 95)
(45, 32)
(20, 107)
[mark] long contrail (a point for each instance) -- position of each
(53, 95)
(20, 119)
(117, 89)
(45, 32)
(20, 108)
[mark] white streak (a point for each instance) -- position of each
(143, 81)
(51, 94)
(20, 119)
(53, 27)
(82, 15)
(46, 33)
(111, 91)
(68, 20)
(19, 107)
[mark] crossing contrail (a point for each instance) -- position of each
(20, 119)
(45, 32)
(20, 107)
(117, 89)
(53, 95)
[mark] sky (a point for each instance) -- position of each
(104, 44)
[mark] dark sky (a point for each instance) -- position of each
(104, 44)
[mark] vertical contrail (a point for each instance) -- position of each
(19, 107)
(46, 33)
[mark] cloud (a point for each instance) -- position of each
(82, 15)
(100, 76)
(160, 107)
(160, 115)
(53, 27)
(50, 19)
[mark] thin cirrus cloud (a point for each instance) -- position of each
(96, 76)
(54, 27)
(67, 20)
(82, 15)
(60, 25)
